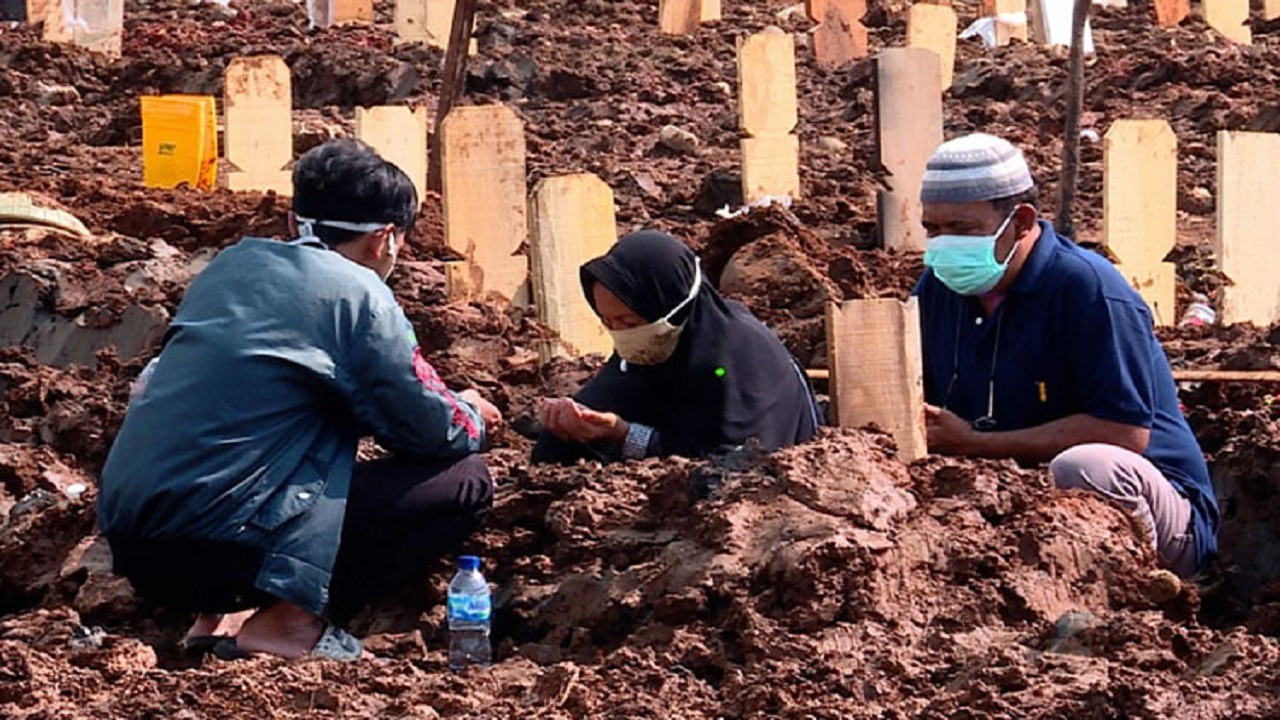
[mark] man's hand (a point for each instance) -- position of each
(567, 420)
(948, 433)
(489, 412)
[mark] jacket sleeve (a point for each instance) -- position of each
(400, 399)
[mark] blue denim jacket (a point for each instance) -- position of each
(281, 356)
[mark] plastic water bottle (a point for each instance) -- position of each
(470, 607)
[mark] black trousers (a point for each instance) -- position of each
(402, 514)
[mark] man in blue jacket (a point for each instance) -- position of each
(233, 489)
(1038, 350)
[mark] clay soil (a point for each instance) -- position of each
(828, 580)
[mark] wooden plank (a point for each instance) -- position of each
(410, 18)
(50, 12)
(1241, 376)
(908, 130)
(320, 13)
(768, 112)
(1011, 21)
(258, 139)
(1270, 9)
(841, 38)
(571, 221)
(1230, 18)
(817, 9)
(1140, 206)
(399, 134)
(96, 25)
(483, 184)
(1051, 23)
(873, 350)
(933, 27)
(711, 11)
(352, 12)
(679, 17)
(767, 84)
(770, 167)
(1171, 13)
(1248, 174)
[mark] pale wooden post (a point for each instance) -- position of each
(933, 27)
(841, 38)
(768, 113)
(1140, 204)
(1007, 30)
(1270, 9)
(571, 221)
(711, 11)
(908, 130)
(1169, 13)
(258, 139)
(320, 12)
(399, 134)
(352, 12)
(1248, 175)
(873, 352)
(483, 189)
(97, 25)
(1230, 18)
(679, 17)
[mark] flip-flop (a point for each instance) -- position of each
(338, 644)
(334, 644)
(200, 645)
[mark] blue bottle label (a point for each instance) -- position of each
(470, 608)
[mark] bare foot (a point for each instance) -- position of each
(281, 629)
(223, 625)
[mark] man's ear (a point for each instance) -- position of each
(382, 242)
(1025, 218)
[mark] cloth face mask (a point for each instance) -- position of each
(967, 263)
(656, 342)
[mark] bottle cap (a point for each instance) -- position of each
(468, 562)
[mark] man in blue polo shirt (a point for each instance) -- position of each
(1038, 350)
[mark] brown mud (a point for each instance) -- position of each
(825, 581)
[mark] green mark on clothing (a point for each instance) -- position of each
(720, 372)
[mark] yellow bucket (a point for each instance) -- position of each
(179, 141)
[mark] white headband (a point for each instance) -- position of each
(307, 227)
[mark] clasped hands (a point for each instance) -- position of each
(569, 420)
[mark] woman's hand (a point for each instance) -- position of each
(567, 420)
(489, 412)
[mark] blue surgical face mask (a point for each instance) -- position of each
(967, 263)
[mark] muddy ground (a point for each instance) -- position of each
(826, 581)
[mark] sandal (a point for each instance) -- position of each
(338, 644)
(334, 644)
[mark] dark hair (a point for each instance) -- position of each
(1006, 205)
(346, 180)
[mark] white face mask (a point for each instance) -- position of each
(307, 227)
(655, 343)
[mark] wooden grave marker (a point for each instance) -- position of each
(1050, 23)
(768, 113)
(1011, 21)
(908, 130)
(483, 187)
(258, 139)
(933, 27)
(679, 17)
(1248, 174)
(841, 37)
(320, 13)
(96, 25)
(1270, 9)
(352, 12)
(399, 134)
(1230, 18)
(711, 11)
(1170, 13)
(873, 352)
(1140, 205)
(571, 221)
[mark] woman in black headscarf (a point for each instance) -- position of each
(692, 373)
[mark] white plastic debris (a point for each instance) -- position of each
(782, 200)
(75, 490)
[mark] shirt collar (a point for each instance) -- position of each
(1038, 261)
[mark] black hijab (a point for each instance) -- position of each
(729, 380)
